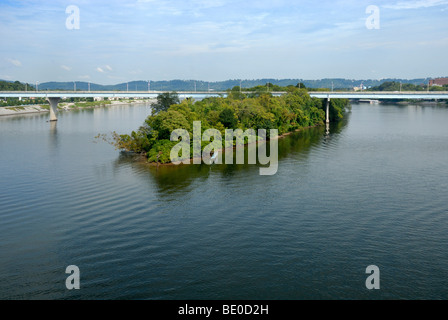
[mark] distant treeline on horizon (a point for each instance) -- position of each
(197, 85)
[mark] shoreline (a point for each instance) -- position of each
(37, 109)
(144, 159)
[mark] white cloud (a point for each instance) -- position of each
(15, 62)
(416, 4)
(84, 77)
(66, 68)
(104, 69)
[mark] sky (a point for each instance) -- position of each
(213, 40)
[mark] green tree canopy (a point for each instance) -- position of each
(166, 122)
(15, 86)
(164, 101)
(228, 119)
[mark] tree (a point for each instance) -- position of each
(164, 101)
(228, 119)
(166, 122)
(15, 86)
(236, 94)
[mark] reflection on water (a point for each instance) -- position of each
(171, 178)
(53, 135)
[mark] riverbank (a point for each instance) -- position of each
(143, 158)
(19, 110)
(10, 111)
(422, 103)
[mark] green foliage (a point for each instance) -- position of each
(397, 86)
(236, 93)
(337, 107)
(164, 101)
(228, 119)
(162, 149)
(24, 101)
(136, 142)
(439, 88)
(89, 104)
(15, 86)
(166, 122)
(289, 112)
(268, 87)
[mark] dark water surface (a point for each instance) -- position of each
(373, 192)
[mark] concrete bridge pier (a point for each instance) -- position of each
(328, 110)
(53, 108)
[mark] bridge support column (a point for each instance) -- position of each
(328, 110)
(53, 108)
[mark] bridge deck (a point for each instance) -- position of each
(434, 95)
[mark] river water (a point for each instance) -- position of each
(372, 192)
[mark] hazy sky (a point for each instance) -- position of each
(119, 40)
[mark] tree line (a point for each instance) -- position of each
(15, 86)
(397, 86)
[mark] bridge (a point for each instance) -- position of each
(54, 97)
(366, 95)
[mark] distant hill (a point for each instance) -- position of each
(190, 85)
